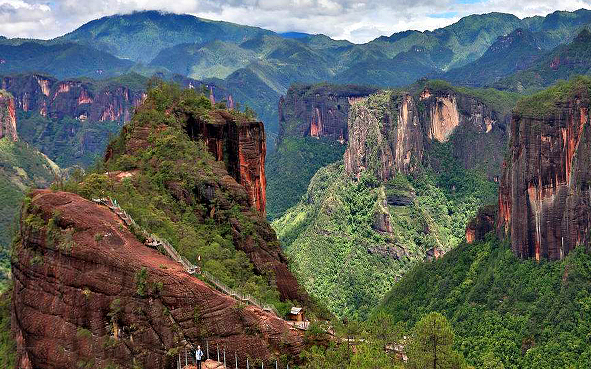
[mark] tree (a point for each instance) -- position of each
(430, 345)
(490, 361)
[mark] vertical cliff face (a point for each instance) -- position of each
(88, 293)
(318, 110)
(241, 145)
(7, 117)
(544, 200)
(392, 132)
(385, 136)
(71, 98)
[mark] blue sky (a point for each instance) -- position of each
(355, 20)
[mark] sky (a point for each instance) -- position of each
(355, 20)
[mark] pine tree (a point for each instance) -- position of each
(430, 346)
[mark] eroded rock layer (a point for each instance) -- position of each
(50, 97)
(241, 145)
(318, 110)
(544, 199)
(391, 132)
(88, 293)
(7, 117)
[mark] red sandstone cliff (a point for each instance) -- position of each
(392, 132)
(86, 292)
(318, 110)
(72, 98)
(241, 145)
(544, 198)
(7, 117)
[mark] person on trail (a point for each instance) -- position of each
(198, 357)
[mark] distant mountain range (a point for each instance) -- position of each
(257, 66)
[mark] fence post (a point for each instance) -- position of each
(247, 367)
(207, 348)
(224, 357)
(218, 347)
(275, 364)
(186, 362)
(236, 357)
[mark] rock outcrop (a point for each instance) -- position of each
(391, 132)
(241, 145)
(481, 224)
(7, 117)
(545, 194)
(318, 110)
(88, 293)
(83, 100)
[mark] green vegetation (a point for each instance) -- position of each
(430, 345)
(290, 168)
(202, 222)
(67, 141)
(547, 103)
(378, 343)
(562, 63)
(520, 313)
(507, 55)
(7, 343)
(371, 232)
(61, 60)
(358, 263)
(21, 167)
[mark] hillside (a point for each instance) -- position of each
(509, 54)
(523, 313)
(140, 36)
(562, 63)
(21, 167)
(188, 173)
(403, 192)
(60, 60)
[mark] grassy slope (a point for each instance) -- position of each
(528, 314)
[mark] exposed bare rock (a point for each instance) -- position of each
(86, 291)
(72, 98)
(545, 196)
(241, 145)
(391, 132)
(318, 110)
(7, 117)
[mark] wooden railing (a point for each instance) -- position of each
(156, 242)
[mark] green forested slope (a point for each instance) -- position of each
(340, 256)
(524, 313)
(290, 168)
(21, 167)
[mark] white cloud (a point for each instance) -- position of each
(355, 20)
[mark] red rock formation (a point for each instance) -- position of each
(391, 132)
(241, 145)
(544, 201)
(7, 117)
(72, 98)
(481, 224)
(318, 110)
(87, 292)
